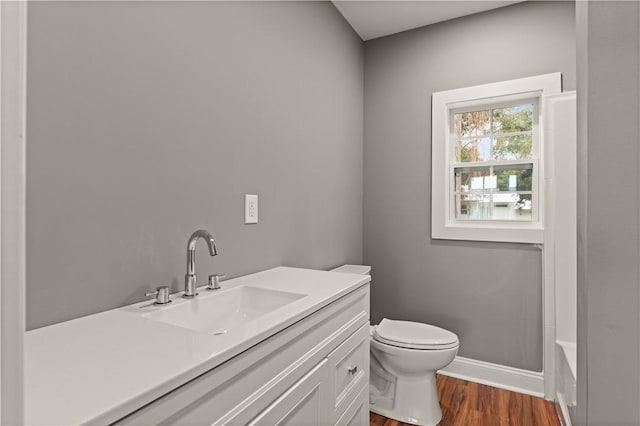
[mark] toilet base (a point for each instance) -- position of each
(415, 402)
(391, 414)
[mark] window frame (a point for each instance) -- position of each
(443, 161)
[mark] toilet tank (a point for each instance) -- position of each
(353, 269)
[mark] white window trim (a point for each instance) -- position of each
(442, 226)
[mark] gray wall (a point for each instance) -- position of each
(147, 121)
(487, 293)
(608, 219)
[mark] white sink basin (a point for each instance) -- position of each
(221, 311)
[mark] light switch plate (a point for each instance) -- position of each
(250, 208)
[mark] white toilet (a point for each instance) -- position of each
(404, 359)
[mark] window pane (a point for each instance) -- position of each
(477, 149)
(514, 178)
(515, 147)
(513, 119)
(474, 123)
(493, 193)
(510, 130)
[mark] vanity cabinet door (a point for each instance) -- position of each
(349, 366)
(357, 414)
(303, 404)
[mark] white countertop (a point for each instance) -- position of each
(99, 368)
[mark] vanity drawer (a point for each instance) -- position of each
(349, 366)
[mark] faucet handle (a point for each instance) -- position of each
(161, 294)
(214, 281)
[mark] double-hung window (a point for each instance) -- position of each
(487, 160)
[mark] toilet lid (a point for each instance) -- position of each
(414, 335)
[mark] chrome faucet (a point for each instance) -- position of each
(190, 277)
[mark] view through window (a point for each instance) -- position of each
(493, 169)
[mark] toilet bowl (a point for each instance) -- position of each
(404, 359)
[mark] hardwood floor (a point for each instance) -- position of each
(471, 404)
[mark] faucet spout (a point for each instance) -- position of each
(190, 277)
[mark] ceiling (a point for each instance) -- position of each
(372, 19)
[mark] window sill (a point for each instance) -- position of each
(489, 232)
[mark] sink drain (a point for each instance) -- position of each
(218, 333)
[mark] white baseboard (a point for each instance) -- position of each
(499, 376)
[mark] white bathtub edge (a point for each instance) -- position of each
(569, 350)
(566, 381)
(562, 411)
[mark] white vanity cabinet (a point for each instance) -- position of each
(314, 372)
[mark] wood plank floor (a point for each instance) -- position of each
(472, 404)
